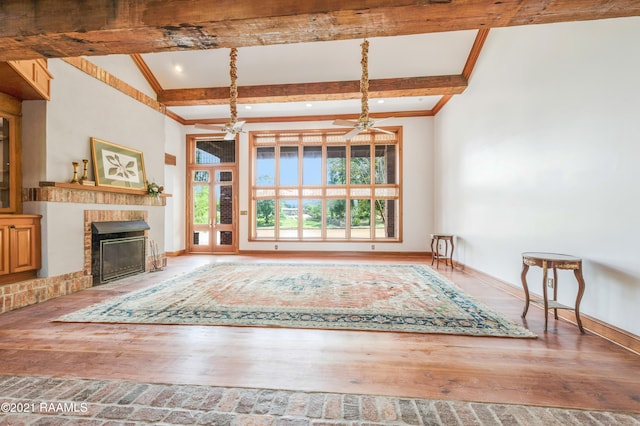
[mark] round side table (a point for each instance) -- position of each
(436, 255)
(552, 261)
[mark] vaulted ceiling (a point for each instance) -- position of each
(297, 58)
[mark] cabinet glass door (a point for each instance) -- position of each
(5, 163)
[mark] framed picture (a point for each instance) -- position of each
(117, 166)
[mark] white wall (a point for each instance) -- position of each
(34, 142)
(417, 180)
(123, 67)
(82, 107)
(541, 153)
(174, 184)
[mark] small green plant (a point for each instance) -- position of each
(154, 190)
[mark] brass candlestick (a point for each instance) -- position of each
(75, 173)
(84, 173)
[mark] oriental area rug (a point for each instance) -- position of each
(378, 297)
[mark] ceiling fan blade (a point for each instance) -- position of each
(347, 123)
(214, 127)
(382, 119)
(238, 125)
(381, 130)
(229, 136)
(352, 133)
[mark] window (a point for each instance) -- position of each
(215, 151)
(315, 186)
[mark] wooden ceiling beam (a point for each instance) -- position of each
(299, 118)
(71, 28)
(324, 91)
(147, 73)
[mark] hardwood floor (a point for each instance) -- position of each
(561, 368)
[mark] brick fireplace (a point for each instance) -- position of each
(49, 199)
(91, 216)
(118, 249)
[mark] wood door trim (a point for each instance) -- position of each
(191, 140)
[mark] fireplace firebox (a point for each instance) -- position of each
(117, 249)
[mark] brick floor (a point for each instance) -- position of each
(43, 401)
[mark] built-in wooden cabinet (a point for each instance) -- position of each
(26, 80)
(19, 246)
(10, 161)
(19, 81)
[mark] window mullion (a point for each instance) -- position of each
(276, 183)
(323, 225)
(300, 202)
(347, 200)
(372, 192)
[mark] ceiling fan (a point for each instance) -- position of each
(234, 126)
(363, 123)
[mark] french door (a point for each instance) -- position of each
(212, 201)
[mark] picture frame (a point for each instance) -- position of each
(117, 166)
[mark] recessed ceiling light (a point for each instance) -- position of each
(178, 68)
(247, 107)
(380, 101)
(309, 105)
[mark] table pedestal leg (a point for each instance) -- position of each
(580, 279)
(544, 293)
(523, 278)
(555, 291)
(446, 250)
(433, 254)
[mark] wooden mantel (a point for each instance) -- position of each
(63, 192)
(81, 187)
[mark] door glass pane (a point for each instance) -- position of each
(265, 218)
(201, 238)
(289, 165)
(360, 218)
(224, 204)
(200, 176)
(312, 218)
(385, 164)
(215, 151)
(288, 219)
(312, 165)
(200, 205)
(360, 167)
(336, 219)
(4, 163)
(336, 165)
(224, 176)
(224, 238)
(265, 166)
